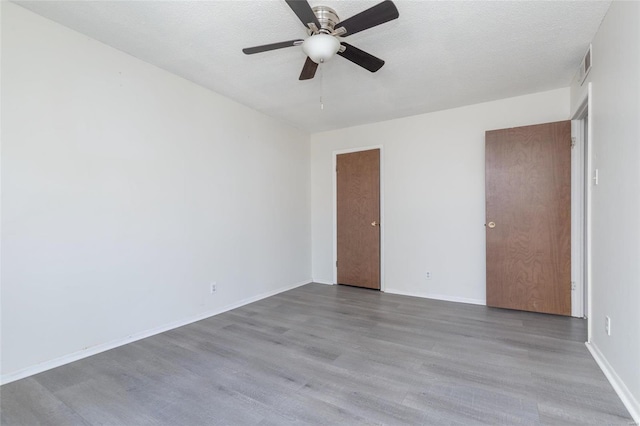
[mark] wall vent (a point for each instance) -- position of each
(585, 66)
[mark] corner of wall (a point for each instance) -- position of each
(628, 399)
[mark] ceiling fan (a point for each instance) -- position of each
(325, 31)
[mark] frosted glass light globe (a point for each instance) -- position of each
(321, 47)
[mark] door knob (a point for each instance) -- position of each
(374, 223)
(491, 225)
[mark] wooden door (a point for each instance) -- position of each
(358, 216)
(528, 214)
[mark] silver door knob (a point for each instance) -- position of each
(491, 225)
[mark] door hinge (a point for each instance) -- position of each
(336, 263)
(573, 141)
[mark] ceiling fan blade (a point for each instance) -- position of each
(304, 12)
(376, 15)
(362, 58)
(309, 70)
(272, 46)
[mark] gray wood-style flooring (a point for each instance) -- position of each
(324, 355)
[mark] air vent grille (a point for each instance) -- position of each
(585, 66)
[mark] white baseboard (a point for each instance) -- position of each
(322, 282)
(619, 386)
(437, 297)
(84, 353)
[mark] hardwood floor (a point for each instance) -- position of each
(324, 355)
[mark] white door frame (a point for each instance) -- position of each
(335, 210)
(581, 210)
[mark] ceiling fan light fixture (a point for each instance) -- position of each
(321, 47)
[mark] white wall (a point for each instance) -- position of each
(433, 181)
(615, 266)
(126, 190)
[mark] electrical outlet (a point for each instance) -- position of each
(607, 325)
(213, 287)
(428, 275)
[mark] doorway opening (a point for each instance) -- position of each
(581, 167)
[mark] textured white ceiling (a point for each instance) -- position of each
(439, 54)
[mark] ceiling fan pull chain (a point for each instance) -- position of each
(321, 87)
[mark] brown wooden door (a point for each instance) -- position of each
(358, 216)
(528, 214)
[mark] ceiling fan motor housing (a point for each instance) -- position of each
(328, 18)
